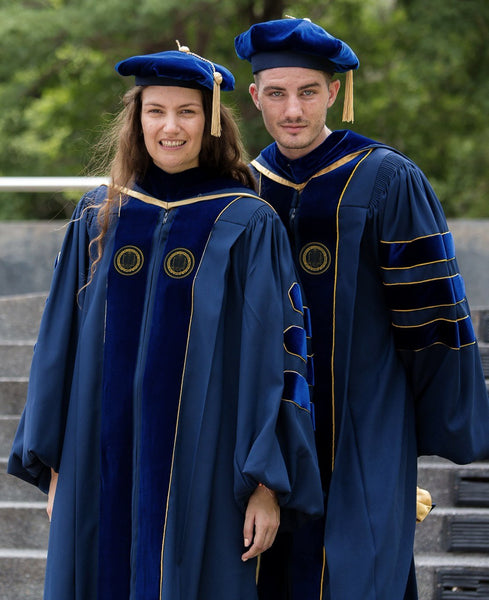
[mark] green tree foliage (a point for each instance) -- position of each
(422, 84)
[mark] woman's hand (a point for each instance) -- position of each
(51, 493)
(261, 522)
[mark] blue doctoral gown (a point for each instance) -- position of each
(165, 390)
(397, 367)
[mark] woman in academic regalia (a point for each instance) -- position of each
(168, 412)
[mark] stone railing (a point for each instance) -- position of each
(49, 184)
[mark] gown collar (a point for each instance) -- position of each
(171, 187)
(172, 190)
(337, 145)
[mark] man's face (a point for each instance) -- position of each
(294, 102)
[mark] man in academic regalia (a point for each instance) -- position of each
(397, 367)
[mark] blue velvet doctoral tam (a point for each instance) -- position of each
(165, 391)
(397, 367)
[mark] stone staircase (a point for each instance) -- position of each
(452, 544)
(24, 524)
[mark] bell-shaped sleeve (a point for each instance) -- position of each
(275, 437)
(431, 322)
(39, 438)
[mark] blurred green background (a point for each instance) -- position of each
(423, 83)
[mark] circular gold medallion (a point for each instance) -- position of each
(315, 258)
(179, 263)
(128, 260)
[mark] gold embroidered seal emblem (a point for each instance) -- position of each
(128, 260)
(179, 263)
(315, 258)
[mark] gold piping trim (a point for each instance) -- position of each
(440, 344)
(421, 281)
(429, 322)
(294, 371)
(257, 571)
(333, 348)
(177, 203)
(296, 404)
(180, 399)
(433, 262)
(421, 237)
(301, 312)
(322, 573)
(293, 354)
(300, 186)
(403, 310)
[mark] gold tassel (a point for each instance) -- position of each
(348, 101)
(216, 92)
(423, 504)
(216, 105)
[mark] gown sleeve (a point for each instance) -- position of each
(39, 438)
(431, 320)
(275, 436)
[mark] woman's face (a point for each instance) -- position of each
(173, 122)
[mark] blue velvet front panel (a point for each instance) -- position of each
(311, 217)
(315, 221)
(126, 301)
(149, 305)
(163, 371)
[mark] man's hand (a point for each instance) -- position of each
(261, 522)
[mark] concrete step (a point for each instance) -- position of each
(15, 359)
(28, 250)
(462, 530)
(484, 352)
(22, 574)
(480, 320)
(23, 525)
(13, 489)
(435, 583)
(8, 427)
(13, 393)
(454, 485)
(20, 316)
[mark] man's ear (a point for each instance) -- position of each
(333, 89)
(254, 95)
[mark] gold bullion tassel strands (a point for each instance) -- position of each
(216, 105)
(216, 92)
(348, 101)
